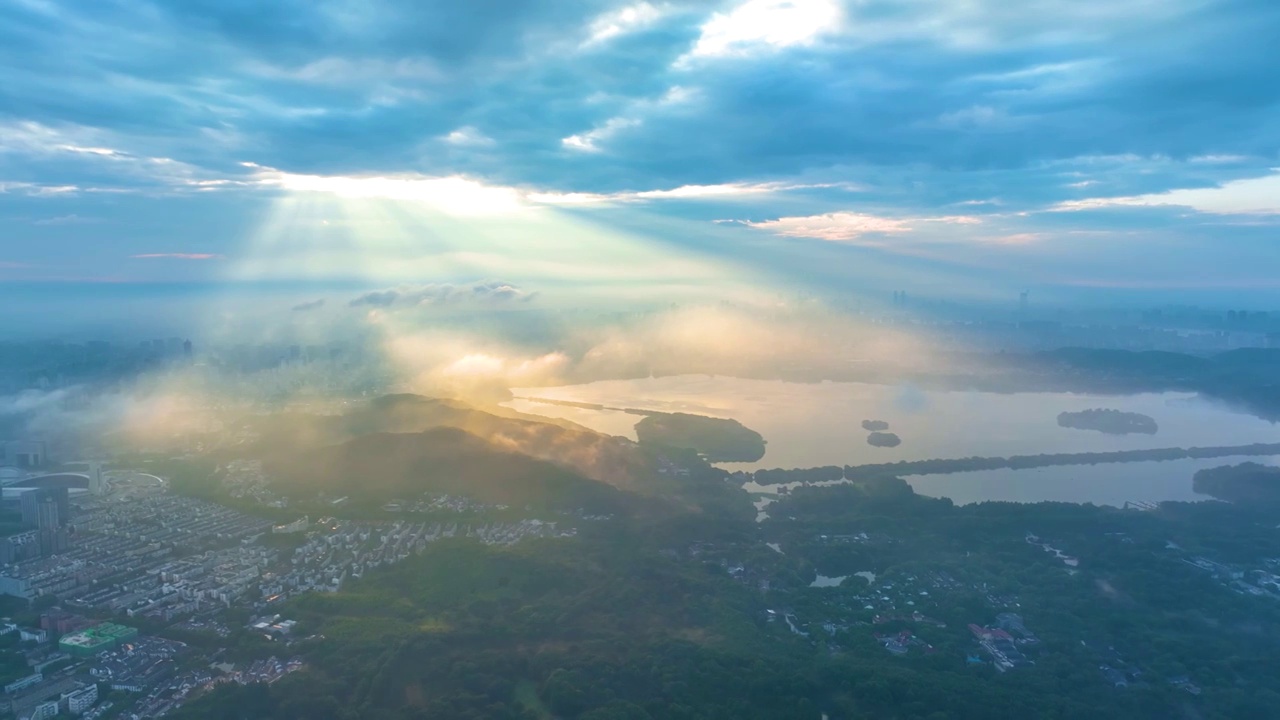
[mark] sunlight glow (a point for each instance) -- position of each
(455, 195)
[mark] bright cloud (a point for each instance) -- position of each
(468, 136)
(834, 227)
(622, 21)
(589, 141)
(1251, 196)
(455, 195)
(766, 24)
(684, 192)
(655, 114)
(851, 227)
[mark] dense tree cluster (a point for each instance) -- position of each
(716, 439)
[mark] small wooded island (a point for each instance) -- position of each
(1247, 483)
(883, 439)
(875, 425)
(716, 439)
(1110, 422)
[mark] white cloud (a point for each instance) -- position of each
(1217, 159)
(42, 142)
(38, 190)
(834, 227)
(589, 141)
(849, 226)
(453, 194)
(459, 195)
(1251, 196)
(632, 116)
(757, 24)
(701, 191)
(467, 136)
(624, 20)
(683, 192)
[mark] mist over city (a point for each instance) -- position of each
(822, 359)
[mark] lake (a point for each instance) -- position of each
(813, 424)
(1109, 484)
(1104, 484)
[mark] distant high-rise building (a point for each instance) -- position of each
(1022, 301)
(23, 453)
(48, 511)
(46, 507)
(95, 478)
(186, 349)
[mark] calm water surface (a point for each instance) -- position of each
(1110, 484)
(812, 424)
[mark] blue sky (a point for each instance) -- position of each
(646, 150)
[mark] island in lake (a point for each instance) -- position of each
(716, 439)
(1110, 422)
(1247, 483)
(875, 425)
(883, 439)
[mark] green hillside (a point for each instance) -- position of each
(375, 468)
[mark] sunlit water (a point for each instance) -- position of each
(808, 425)
(1117, 484)
(812, 424)
(1110, 484)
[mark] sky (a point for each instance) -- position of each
(503, 153)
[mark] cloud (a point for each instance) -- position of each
(452, 194)
(468, 136)
(770, 24)
(466, 196)
(442, 294)
(834, 227)
(589, 141)
(622, 21)
(178, 256)
(71, 219)
(850, 226)
(1249, 196)
(307, 306)
(686, 192)
(654, 114)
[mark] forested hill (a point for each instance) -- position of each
(604, 458)
(1247, 377)
(375, 468)
(400, 446)
(717, 439)
(1141, 619)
